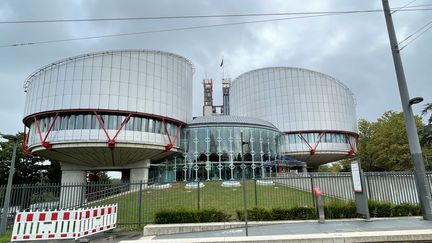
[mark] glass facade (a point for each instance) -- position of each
(110, 121)
(313, 137)
(214, 151)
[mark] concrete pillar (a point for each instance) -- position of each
(304, 169)
(140, 171)
(73, 188)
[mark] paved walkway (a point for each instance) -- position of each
(389, 229)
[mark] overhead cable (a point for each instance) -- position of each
(407, 9)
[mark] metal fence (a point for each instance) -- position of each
(140, 201)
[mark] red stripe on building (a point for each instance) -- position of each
(95, 213)
(51, 235)
(38, 236)
(19, 217)
(63, 235)
(29, 217)
(26, 237)
(102, 211)
(109, 210)
(93, 230)
(86, 233)
(15, 237)
(87, 215)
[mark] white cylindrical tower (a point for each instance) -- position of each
(108, 109)
(315, 111)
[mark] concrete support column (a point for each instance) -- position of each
(73, 188)
(304, 169)
(140, 171)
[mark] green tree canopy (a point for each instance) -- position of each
(28, 169)
(383, 145)
(425, 133)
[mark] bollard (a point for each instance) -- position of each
(320, 204)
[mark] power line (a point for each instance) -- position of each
(415, 32)
(407, 9)
(404, 6)
(409, 42)
(307, 15)
(164, 30)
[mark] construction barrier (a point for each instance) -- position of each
(63, 224)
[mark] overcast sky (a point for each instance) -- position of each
(352, 48)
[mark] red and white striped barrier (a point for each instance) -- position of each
(96, 220)
(63, 224)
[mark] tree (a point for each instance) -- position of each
(338, 166)
(425, 133)
(28, 169)
(383, 145)
(53, 172)
(364, 151)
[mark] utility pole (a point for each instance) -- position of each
(423, 189)
(5, 214)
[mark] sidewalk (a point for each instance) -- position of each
(378, 230)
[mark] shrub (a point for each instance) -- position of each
(182, 215)
(262, 214)
(301, 213)
(339, 210)
(406, 209)
(211, 215)
(380, 209)
(258, 214)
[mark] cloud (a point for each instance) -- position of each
(352, 48)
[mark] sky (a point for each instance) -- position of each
(352, 48)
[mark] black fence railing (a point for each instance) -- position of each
(140, 201)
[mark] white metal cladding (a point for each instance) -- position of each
(223, 119)
(143, 81)
(294, 99)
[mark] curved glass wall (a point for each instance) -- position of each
(110, 121)
(213, 152)
(313, 137)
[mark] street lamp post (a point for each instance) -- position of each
(6, 203)
(423, 189)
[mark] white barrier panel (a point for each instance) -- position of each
(63, 224)
(96, 220)
(44, 225)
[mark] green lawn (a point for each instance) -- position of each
(213, 195)
(6, 236)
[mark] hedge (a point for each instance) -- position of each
(182, 215)
(333, 210)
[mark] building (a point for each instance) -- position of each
(214, 146)
(131, 111)
(316, 112)
(114, 110)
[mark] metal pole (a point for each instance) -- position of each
(244, 186)
(423, 189)
(198, 193)
(140, 203)
(255, 192)
(8, 190)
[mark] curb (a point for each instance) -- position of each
(370, 236)
(168, 229)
